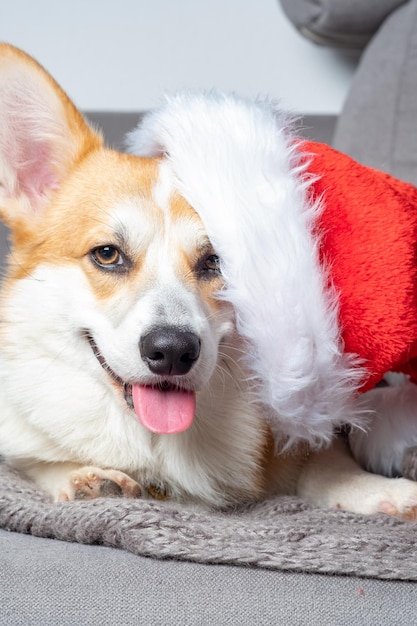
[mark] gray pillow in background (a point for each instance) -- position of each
(339, 23)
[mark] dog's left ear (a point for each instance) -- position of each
(42, 135)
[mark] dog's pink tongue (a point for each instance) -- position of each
(164, 411)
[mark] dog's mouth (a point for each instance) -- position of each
(162, 408)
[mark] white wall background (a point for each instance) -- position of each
(123, 54)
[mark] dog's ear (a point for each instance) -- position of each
(42, 135)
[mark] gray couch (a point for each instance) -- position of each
(47, 581)
(378, 122)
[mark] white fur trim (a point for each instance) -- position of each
(238, 165)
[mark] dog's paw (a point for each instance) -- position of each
(88, 483)
(399, 499)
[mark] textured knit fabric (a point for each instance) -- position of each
(282, 533)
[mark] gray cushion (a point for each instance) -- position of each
(345, 23)
(49, 582)
(378, 125)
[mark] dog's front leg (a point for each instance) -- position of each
(71, 481)
(332, 478)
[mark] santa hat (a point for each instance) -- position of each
(240, 166)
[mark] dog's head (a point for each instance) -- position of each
(110, 270)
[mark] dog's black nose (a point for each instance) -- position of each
(169, 351)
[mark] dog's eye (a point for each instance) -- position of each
(108, 257)
(212, 263)
(209, 266)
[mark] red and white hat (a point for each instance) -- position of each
(303, 233)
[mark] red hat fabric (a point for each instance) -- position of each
(368, 237)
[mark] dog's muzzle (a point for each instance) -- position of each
(163, 407)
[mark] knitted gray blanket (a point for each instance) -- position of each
(279, 533)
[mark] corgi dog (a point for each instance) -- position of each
(121, 370)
